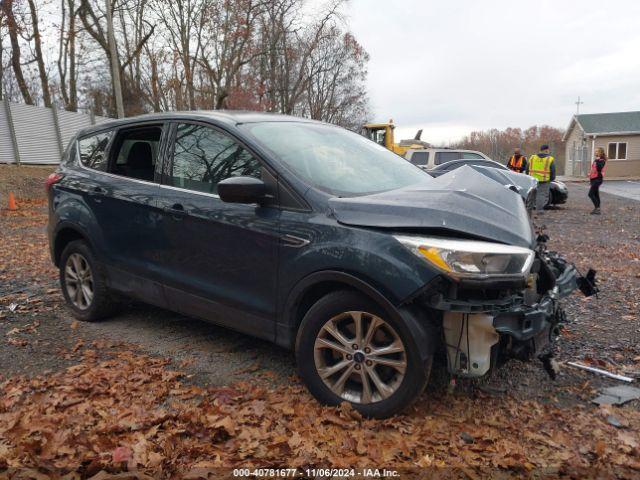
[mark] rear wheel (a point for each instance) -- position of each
(84, 284)
(350, 350)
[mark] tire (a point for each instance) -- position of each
(552, 198)
(78, 257)
(338, 311)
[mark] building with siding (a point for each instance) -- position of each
(618, 133)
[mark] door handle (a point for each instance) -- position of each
(176, 210)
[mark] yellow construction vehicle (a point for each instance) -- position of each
(382, 134)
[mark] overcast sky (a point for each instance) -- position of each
(450, 67)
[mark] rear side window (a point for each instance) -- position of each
(204, 156)
(471, 155)
(92, 151)
(420, 158)
(135, 152)
(443, 157)
(71, 153)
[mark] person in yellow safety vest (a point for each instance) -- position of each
(517, 162)
(542, 168)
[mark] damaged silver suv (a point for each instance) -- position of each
(310, 236)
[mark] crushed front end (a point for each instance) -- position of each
(487, 321)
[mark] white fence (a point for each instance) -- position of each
(38, 135)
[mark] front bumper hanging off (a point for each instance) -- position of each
(484, 323)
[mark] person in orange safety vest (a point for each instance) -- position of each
(517, 162)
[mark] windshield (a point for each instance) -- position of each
(336, 160)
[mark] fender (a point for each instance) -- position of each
(66, 225)
(420, 328)
(72, 213)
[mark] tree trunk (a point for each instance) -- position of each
(73, 76)
(42, 71)
(115, 64)
(1, 69)
(155, 88)
(63, 51)
(7, 9)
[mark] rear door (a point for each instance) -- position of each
(220, 259)
(124, 204)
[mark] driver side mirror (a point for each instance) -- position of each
(242, 190)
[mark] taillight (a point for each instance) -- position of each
(55, 177)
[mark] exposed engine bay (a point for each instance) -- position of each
(486, 323)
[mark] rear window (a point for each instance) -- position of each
(92, 151)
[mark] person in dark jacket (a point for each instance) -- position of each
(596, 177)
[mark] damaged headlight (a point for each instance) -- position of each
(470, 258)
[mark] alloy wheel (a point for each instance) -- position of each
(360, 357)
(78, 280)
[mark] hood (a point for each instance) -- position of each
(463, 201)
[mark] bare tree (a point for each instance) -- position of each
(37, 40)
(96, 24)
(253, 54)
(115, 62)
(229, 30)
(68, 75)
(184, 22)
(336, 90)
(7, 8)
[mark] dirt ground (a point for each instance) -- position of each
(38, 336)
(26, 181)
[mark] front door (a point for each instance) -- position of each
(220, 258)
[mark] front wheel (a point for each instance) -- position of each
(349, 349)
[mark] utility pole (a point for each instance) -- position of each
(115, 64)
(578, 103)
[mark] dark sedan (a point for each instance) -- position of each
(558, 190)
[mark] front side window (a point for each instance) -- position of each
(92, 151)
(204, 156)
(617, 151)
(335, 160)
(471, 155)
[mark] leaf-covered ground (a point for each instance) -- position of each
(122, 410)
(76, 400)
